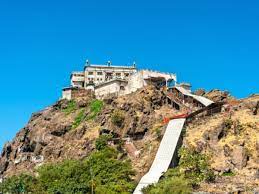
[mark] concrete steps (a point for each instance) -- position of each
(164, 154)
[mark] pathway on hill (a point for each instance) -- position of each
(164, 154)
(168, 145)
(201, 99)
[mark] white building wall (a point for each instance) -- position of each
(113, 70)
(112, 88)
(67, 94)
(135, 82)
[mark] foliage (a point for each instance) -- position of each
(158, 133)
(63, 177)
(95, 108)
(118, 118)
(238, 127)
(102, 142)
(227, 123)
(71, 107)
(173, 183)
(20, 184)
(79, 118)
(193, 169)
(195, 166)
(100, 173)
(229, 173)
(109, 173)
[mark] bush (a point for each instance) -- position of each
(95, 108)
(193, 169)
(173, 183)
(109, 174)
(79, 118)
(238, 127)
(227, 123)
(101, 173)
(20, 184)
(195, 166)
(102, 142)
(64, 177)
(229, 173)
(158, 133)
(118, 118)
(71, 107)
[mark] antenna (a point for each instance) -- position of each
(134, 64)
(87, 62)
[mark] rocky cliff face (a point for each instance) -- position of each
(55, 133)
(231, 140)
(68, 130)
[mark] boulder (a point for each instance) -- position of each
(7, 150)
(35, 116)
(28, 146)
(82, 103)
(61, 130)
(255, 110)
(22, 135)
(200, 92)
(227, 150)
(239, 157)
(257, 174)
(3, 166)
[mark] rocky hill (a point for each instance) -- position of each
(68, 130)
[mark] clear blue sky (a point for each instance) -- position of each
(211, 44)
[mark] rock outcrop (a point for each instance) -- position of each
(61, 131)
(231, 140)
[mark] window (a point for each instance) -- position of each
(126, 74)
(99, 73)
(118, 74)
(90, 73)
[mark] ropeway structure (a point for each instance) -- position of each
(168, 147)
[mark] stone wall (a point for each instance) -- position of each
(72, 93)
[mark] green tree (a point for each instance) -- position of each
(101, 171)
(109, 173)
(23, 183)
(195, 166)
(64, 177)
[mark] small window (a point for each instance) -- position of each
(126, 74)
(90, 73)
(99, 73)
(122, 88)
(118, 74)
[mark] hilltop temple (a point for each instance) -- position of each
(107, 79)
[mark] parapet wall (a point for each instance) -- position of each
(71, 93)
